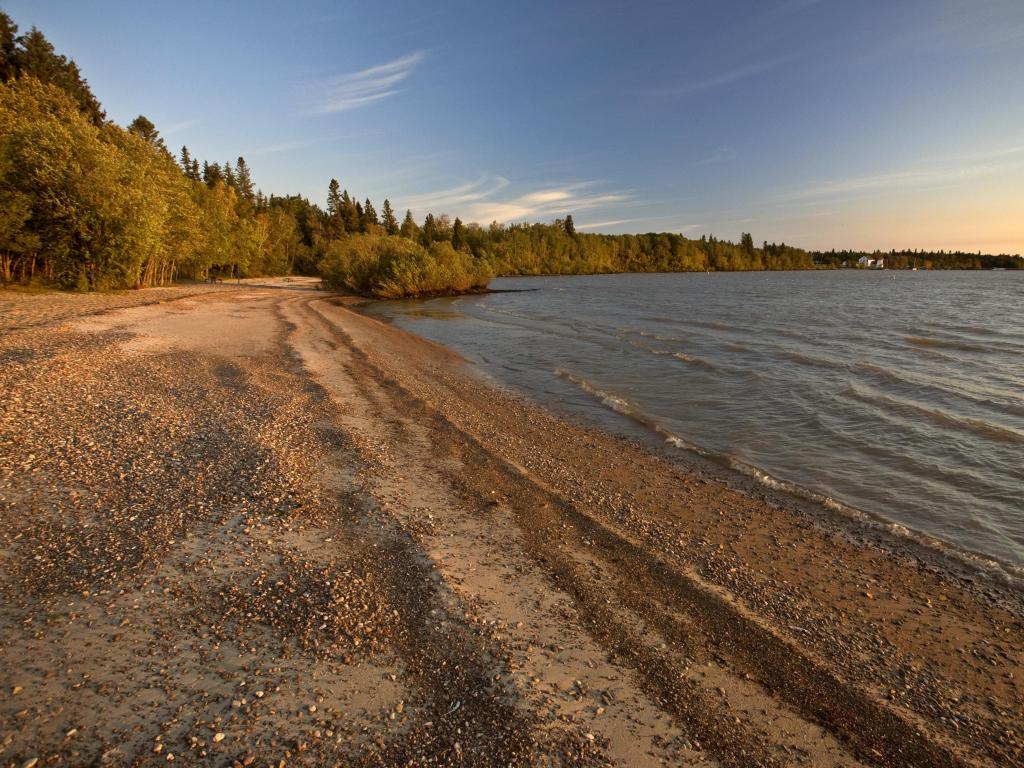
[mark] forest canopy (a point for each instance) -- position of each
(87, 204)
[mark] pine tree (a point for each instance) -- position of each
(349, 214)
(570, 226)
(143, 126)
(186, 161)
(195, 170)
(212, 174)
(8, 48)
(409, 228)
(458, 239)
(370, 213)
(243, 181)
(229, 175)
(335, 213)
(429, 233)
(389, 220)
(34, 55)
(334, 198)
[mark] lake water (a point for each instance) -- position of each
(899, 394)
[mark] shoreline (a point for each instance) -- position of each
(861, 526)
(967, 565)
(461, 575)
(901, 553)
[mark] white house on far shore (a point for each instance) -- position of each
(870, 263)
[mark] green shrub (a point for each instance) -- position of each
(388, 267)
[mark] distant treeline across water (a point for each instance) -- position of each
(443, 256)
(87, 204)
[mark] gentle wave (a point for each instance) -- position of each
(683, 356)
(890, 377)
(788, 333)
(624, 332)
(1009, 573)
(715, 326)
(694, 360)
(938, 416)
(658, 318)
(811, 360)
(905, 457)
(614, 402)
(643, 347)
(622, 406)
(931, 341)
(977, 330)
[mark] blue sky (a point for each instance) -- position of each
(817, 122)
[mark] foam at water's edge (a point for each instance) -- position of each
(1010, 574)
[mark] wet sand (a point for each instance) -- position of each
(251, 525)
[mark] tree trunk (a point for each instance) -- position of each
(146, 278)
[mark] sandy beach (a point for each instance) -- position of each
(248, 525)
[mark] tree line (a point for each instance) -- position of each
(87, 204)
(920, 259)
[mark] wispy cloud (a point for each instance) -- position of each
(482, 201)
(546, 202)
(457, 197)
(604, 224)
(179, 127)
(367, 86)
(990, 154)
(291, 146)
(972, 25)
(853, 184)
(925, 174)
(719, 155)
(287, 146)
(726, 78)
